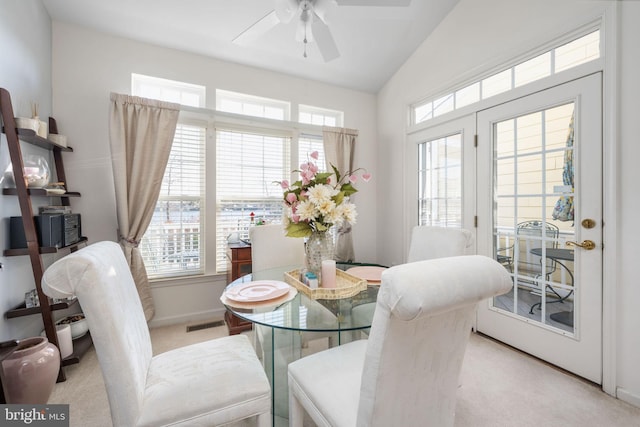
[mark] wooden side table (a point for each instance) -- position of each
(238, 265)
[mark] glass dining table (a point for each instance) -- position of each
(283, 331)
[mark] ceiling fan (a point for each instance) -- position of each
(312, 22)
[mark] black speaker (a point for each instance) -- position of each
(53, 230)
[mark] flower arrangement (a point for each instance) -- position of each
(319, 201)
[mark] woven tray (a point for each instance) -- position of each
(346, 286)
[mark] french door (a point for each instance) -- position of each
(539, 208)
(443, 159)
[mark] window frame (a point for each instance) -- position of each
(508, 68)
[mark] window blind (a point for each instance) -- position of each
(248, 167)
(172, 244)
(307, 144)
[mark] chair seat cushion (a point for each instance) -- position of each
(335, 402)
(209, 383)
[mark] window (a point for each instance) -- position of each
(171, 245)
(560, 58)
(440, 182)
(319, 116)
(168, 90)
(249, 161)
(248, 165)
(307, 144)
(249, 105)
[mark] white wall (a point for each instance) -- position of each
(87, 66)
(628, 350)
(475, 37)
(25, 71)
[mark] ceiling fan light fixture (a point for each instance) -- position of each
(286, 10)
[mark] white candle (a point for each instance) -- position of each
(328, 275)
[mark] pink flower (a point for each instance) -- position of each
(314, 155)
(353, 178)
(291, 198)
(284, 184)
(307, 176)
(295, 218)
(366, 177)
(309, 167)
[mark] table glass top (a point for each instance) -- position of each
(303, 313)
(555, 253)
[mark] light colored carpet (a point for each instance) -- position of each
(500, 387)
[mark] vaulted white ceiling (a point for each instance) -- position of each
(373, 41)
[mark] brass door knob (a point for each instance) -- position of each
(587, 244)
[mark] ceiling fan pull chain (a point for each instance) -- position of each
(305, 42)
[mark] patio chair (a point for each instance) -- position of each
(528, 267)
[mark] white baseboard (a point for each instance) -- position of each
(187, 318)
(630, 398)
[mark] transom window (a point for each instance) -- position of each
(168, 90)
(319, 116)
(564, 57)
(249, 105)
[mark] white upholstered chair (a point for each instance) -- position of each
(428, 242)
(438, 242)
(406, 373)
(271, 248)
(211, 383)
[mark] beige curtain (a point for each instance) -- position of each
(141, 132)
(339, 146)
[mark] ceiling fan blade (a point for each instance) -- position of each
(380, 3)
(286, 10)
(256, 30)
(322, 8)
(324, 40)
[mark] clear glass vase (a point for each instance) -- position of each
(318, 247)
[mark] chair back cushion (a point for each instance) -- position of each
(438, 242)
(420, 329)
(271, 248)
(100, 277)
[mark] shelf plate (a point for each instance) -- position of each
(38, 192)
(21, 310)
(30, 136)
(43, 250)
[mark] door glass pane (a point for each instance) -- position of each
(440, 182)
(533, 217)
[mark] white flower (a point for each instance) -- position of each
(334, 217)
(325, 207)
(307, 211)
(320, 193)
(349, 212)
